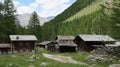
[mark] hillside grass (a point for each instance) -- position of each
(94, 6)
(22, 60)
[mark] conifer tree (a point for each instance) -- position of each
(34, 25)
(116, 18)
(9, 18)
(2, 32)
(1, 15)
(34, 20)
(116, 11)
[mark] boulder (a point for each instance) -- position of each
(101, 58)
(31, 66)
(93, 65)
(99, 51)
(114, 65)
(43, 64)
(90, 58)
(13, 56)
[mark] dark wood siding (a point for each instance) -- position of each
(23, 46)
(51, 47)
(67, 49)
(4, 50)
(86, 45)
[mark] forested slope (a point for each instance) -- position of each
(84, 17)
(50, 29)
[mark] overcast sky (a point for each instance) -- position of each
(44, 8)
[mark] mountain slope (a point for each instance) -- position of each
(89, 9)
(72, 10)
(83, 17)
(50, 29)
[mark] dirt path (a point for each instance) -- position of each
(63, 59)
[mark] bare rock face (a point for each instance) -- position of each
(114, 65)
(100, 58)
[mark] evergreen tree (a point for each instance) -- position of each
(34, 25)
(1, 15)
(116, 11)
(73, 21)
(116, 18)
(34, 20)
(2, 32)
(9, 19)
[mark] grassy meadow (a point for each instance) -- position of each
(24, 60)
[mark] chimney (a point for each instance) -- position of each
(17, 37)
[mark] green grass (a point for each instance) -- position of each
(81, 57)
(21, 60)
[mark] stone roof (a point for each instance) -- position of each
(118, 43)
(113, 45)
(66, 40)
(62, 37)
(4, 45)
(67, 44)
(44, 43)
(105, 38)
(23, 38)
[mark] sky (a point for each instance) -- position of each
(44, 8)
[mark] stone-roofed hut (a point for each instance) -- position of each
(65, 43)
(90, 42)
(22, 43)
(4, 48)
(43, 44)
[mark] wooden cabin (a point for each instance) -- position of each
(65, 43)
(91, 42)
(4, 48)
(22, 43)
(43, 44)
(52, 46)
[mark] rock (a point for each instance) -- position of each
(13, 56)
(99, 51)
(31, 66)
(43, 64)
(93, 65)
(10, 64)
(33, 57)
(90, 58)
(114, 65)
(94, 58)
